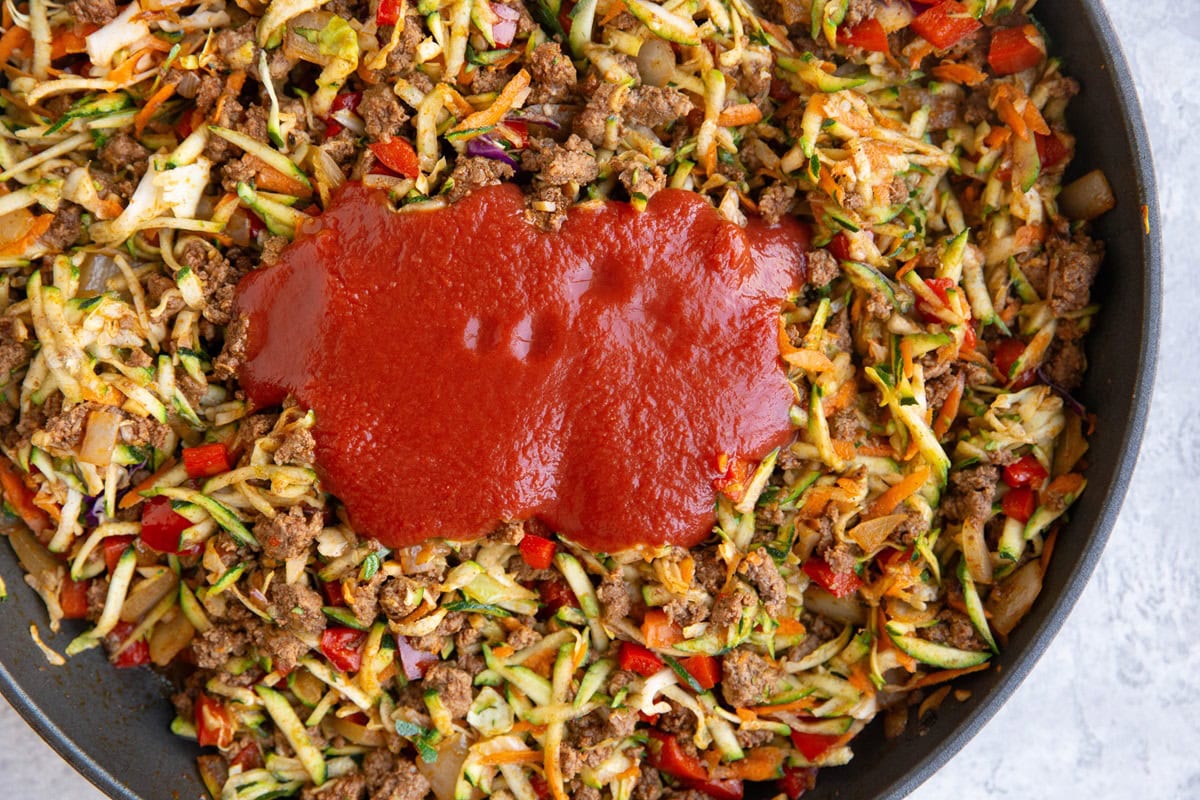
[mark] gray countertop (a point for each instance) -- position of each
(1110, 710)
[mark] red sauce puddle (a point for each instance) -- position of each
(466, 368)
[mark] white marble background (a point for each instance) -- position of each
(1112, 708)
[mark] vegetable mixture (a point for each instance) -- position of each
(154, 153)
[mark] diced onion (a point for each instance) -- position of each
(1088, 197)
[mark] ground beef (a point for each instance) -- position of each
(272, 247)
(574, 161)
(522, 635)
(730, 606)
(363, 598)
(218, 274)
(939, 388)
(952, 628)
(12, 352)
(123, 151)
(754, 738)
(603, 101)
(297, 448)
(97, 12)
(381, 111)
(640, 176)
(453, 687)
(776, 202)
(914, 525)
(613, 593)
(970, 493)
(857, 11)
(878, 305)
(547, 205)
(347, 787)
(400, 596)
(747, 678)
(65, 431)
(822, 268)
(759, 568)
(842, 557)
(552, 72)
(686, 611)
(1073, 265)
(653, 106)
(600, 725)
(289, 535)
(280, 646)
(233, 352)
(710, 569)
(235, 48)
(844, 426)
(218, 644)
(97, 593)
(475, 172)
(649, 785)
(64, 230)
(296, 608)
(393, 778)
(1065, 363)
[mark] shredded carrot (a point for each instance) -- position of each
(124, 73)
(959, 73)
(896, 494)
(1048, 549)
(48, 505)
(941, 676)
(760, 764)
(134, 495)
(785, 341)
(803, 704)
(1033, 118)
(882, 450)
(840, 399)
(1071, 483)
(907, 267)
(152, 105)
(708, 159)
(1029, 235)
(629, 774)
(844, 449)
(111, 397)
(504, 102)
(743, 114)
(233, 87)
(37, 226)
(503, 651)
(906, 357)
(68, 41)
(461, 107)
(659, 630)
(270, 179)
(918, 53)
(996, 137)
(511, 757)
(614, 10)
(522, 726)
(13, 39)
(949, 409)
(818, 497)
(790, 627)
(829, 185)
(860, 680)
(745, 714)
(1008, 113)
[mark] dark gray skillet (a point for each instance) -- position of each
(111, 725)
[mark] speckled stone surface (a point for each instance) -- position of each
(1112, 708)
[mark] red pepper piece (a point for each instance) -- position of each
(1005, 356)
(161, 526)
(556, 594)
(839, 247)
(343, 647)
(839, 584)
(136, 655)
(206, 460)
(537, 551)
(813, 745)
(1051, 150)
(667, 756)
(398, 156)
(796, 781)
(20, 498)
(214, 723)
(415, 662)
(73, 599)
(347, 101)
(114, 546)
(636, 658)
(941, 287)
(1015, 50)
(388, 13)
(868, 34)
(1019, 503)
(248, 758)
(1025, 471)
(705, 669)
(946, 24)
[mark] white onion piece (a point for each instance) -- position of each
(656, 62)
(1088, 197)
(1012, 598)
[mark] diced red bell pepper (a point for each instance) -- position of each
(73, 599)
(946, 24)
(941, 287)
(1051, 150)
(388, 12)
(537, 551)
(1019, 503)
(415, 662)
(161, 526)
(136, 655)
(248, 758)
(1025, 471)
(636, 658)
(540, 787)
(667, 756)
(114, 546)
(704, 668)
(796, 781)
(343, 647)
(346, 101)
(839, 584)
(206, 460)
(20, 498)
(1015, 50)
(556, 594)
(334, 595)
(734, 474)
(868, 34)
(520, 129)
(813, 745)
(1005, 356)
(214, 723)
(839, 247)
(398, 156)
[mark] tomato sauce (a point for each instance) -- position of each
(466, 368)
